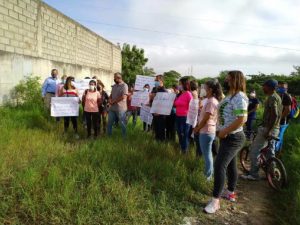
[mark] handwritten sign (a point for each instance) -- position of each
(82, 85)
(64, 106)
(163, 103)
(193, 112)
(141, 80)
(145, 114)
(139, 98)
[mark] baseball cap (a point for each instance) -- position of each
(271, 83)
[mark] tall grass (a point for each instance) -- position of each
(288, 202)
(49, 179)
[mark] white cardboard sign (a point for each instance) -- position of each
(145, 114)
(141, 80)
(193, 112)
(64, 106)
(139, 98)
(163, 103)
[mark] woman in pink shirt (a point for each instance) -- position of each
(207, 123)
(182, 107)
(91, 101)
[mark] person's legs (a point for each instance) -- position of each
(229, 147)
(88, 119)
(95, 121)
(197, 142)
(66, 123)
(74, 123)
(259, 142)
(215, 146)
(111, 121)
(206, 141)
(186, 135)
(134, 117)
(122, 120)
(179, 129)
(160, 127)
(104, 121)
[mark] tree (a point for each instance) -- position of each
(133, 62)
(148, 71)
(171, 78)
(297, 73)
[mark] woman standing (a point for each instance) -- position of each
(91, 101)
(182, 107)
(103, 107)
(232, 116)
(69, 90)
(207, 123)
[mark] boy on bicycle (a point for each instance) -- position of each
(270, 127)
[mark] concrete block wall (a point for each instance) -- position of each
(34, 38)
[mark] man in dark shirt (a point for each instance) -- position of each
(286, 102)
(252, 108)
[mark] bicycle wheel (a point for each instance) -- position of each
(276, 174)
(245, 159)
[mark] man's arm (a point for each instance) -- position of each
(273, 117)
(44, 87)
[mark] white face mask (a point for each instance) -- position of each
(202, 92)
(73, 83)
(92, 87)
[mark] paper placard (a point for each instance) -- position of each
(139, 98)
(145, 114)
(141, 80)
(193, 112)
(64, 106)
(163, 103)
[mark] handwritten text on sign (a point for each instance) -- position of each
(193, 112)
(142, 80)
(163, 103)
(64, 106)
(145, 114)
(139, 98)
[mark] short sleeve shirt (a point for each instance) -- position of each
(252, 104)
(273, 102)
(119, 90)
(91, 101)
(231, 108)
(210, 106)
(286, 101)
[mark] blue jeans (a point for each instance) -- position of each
(198, 147)
(206, 141)
(183, 132)
(112, 117)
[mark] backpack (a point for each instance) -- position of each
(294, 109)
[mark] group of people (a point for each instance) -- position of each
(220, 119)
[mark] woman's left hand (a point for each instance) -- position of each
(222, 134)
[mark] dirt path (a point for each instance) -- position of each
(253, 207)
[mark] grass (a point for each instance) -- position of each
(46, 178)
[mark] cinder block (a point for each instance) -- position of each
(9, 48)
(13, 14)
(3, 10)
(18, 9)
(4, 40)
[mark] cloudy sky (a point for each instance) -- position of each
(197, 36)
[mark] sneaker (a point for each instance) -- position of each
(231, 196)
(213, 206)
(249, 177)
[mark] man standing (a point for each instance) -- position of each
(269, 128)
(49, 88)
(118, 104)
(286, 102)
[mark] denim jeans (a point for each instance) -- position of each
(260, 142)
(206, 141)
(113, 116)
(225, 163)
(134, 115)
(197, 142)
(183, 132)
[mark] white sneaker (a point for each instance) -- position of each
(249, 177)
(212, 206)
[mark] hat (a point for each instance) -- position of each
(271, 83)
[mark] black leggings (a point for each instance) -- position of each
(92, 118)
(226, 162)
(67, 122)
(159, 123)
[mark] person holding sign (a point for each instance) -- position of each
(69, 90)
(232, 116)
(159, 121)
(118, 104)
(207, 124)
(146, 127)
(182, 107)
(91, 101)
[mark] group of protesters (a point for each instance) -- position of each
(219, 127)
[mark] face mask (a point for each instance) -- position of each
(63, 81)
(226, 86)
(73, 83)
(146, 89)
(116, 81)
(203, 92)
(252, 95)
(92, 87)
(281, 90)
(180, 88)
(156, 84)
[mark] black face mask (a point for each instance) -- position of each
(226, 86)
(115, 80)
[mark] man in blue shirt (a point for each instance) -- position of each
(49, 88)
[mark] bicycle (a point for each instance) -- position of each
(273, 167)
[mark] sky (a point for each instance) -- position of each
(198, 37)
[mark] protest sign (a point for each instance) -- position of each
(139, 97)
(141, 80)
(145, 114)
(193, 112)
(163, 103)
(82, 85)
(64, 106)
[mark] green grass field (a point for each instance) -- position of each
(46, 178)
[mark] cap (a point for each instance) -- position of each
(271, 83)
